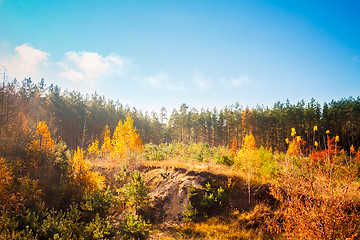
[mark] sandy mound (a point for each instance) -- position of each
(169, 194)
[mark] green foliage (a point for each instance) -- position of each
(191, 213)
(204, 202)
(98, 228)
(200, 152)
(268, 166)
(135, 192)
(134, 227)
(8, 225)
(61, 155)
(39, 196)
(53, 224)
(212, 197)
(99, 203)
(155, 152)
(225, 159)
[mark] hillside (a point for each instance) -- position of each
(170, 194)
(182, 181)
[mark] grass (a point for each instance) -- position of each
(193, 165)
(214, 228)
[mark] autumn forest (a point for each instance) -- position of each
(77, 166)
(79, 119)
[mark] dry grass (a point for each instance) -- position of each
(214, 228)
(196, 166)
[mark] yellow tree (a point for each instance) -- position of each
(93, 148)
(82, 179)
(125, 139)
(106, 146)
(42, 140)
(40, 145)
(247, 159)
(7, 197)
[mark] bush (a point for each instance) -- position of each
(134, 227)
(154, 152)
(317, 199)
(98, 228)
(100, 203)
(268, 165)
(135, 192)
(204, 202)
(225, 160)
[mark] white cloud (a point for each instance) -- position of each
(90, 67)
(235, 82)
(200, 81)
(25, 62)
(156, 81)
(161, 81)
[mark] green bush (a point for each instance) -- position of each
(100, 203)
(155, 152)
(190, 213)
(98, 228)
(204, 202)
(268, 165)
(134, 227)
(53, 224)
(225, 160)
(135, 193)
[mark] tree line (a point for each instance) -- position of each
(80, 119)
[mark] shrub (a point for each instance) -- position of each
(154, 152)
(135, 192)
(204, 202)
(268, 165)
(98, 228)
(318, 198)
(99, 203)
(134, 227)
(81, 179)
(225, 160)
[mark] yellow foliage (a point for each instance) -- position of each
(93, 148)
(15, 194)
(248, 143)
(106, 146)
(82, 179)
(6, 198)
(42, 140)
(294, 148)
(352, 150)
(247, 157)
(125, 139)
(30, 192)
(297, 144)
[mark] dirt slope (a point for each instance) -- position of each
(169, 191)
(169, 194)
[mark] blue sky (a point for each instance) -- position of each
(204, 53)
